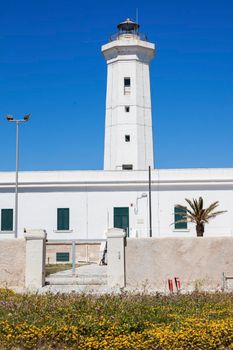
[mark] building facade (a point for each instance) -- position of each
(82, 205)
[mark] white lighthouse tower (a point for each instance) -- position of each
(128, 124)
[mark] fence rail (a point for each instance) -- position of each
(78, 241)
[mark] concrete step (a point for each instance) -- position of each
(77, 275)
(84, 276)
(70, 280)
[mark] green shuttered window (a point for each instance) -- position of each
(63, 219)
(7, 220)
(121, 218)
(63, 257)
(180, 225)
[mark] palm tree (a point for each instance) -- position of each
(197, 214)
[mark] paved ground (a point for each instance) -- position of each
(84, 270)
(90, 278)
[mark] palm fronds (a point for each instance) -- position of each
(196, 213)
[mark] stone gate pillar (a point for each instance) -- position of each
(35, 259)
(116, 257)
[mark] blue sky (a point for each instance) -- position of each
(51, 65)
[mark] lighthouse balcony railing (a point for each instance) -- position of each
(117, 36)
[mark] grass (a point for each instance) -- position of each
(121, 322)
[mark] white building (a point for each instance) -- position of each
(84, 204)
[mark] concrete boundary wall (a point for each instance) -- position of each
(12, 263)
(198, 262)
(22, 261)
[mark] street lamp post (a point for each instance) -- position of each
(11, 119)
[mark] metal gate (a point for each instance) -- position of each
(75, 262)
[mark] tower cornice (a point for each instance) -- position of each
(142, 49)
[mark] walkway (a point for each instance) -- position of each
(90, 278)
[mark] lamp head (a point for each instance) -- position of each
(9, 118)
(26, 117)
(144, 195)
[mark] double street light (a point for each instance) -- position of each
(11, 119)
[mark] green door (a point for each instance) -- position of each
(121, 218)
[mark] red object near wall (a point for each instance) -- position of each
(177, 283)
(170, 285)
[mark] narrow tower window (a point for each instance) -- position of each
(127, 167)
(127, 109)
(127, 82)
(127, 138)
(127, 85)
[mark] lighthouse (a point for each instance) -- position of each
(128, 120)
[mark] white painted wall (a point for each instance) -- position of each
(128, 56)
(92, 195)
